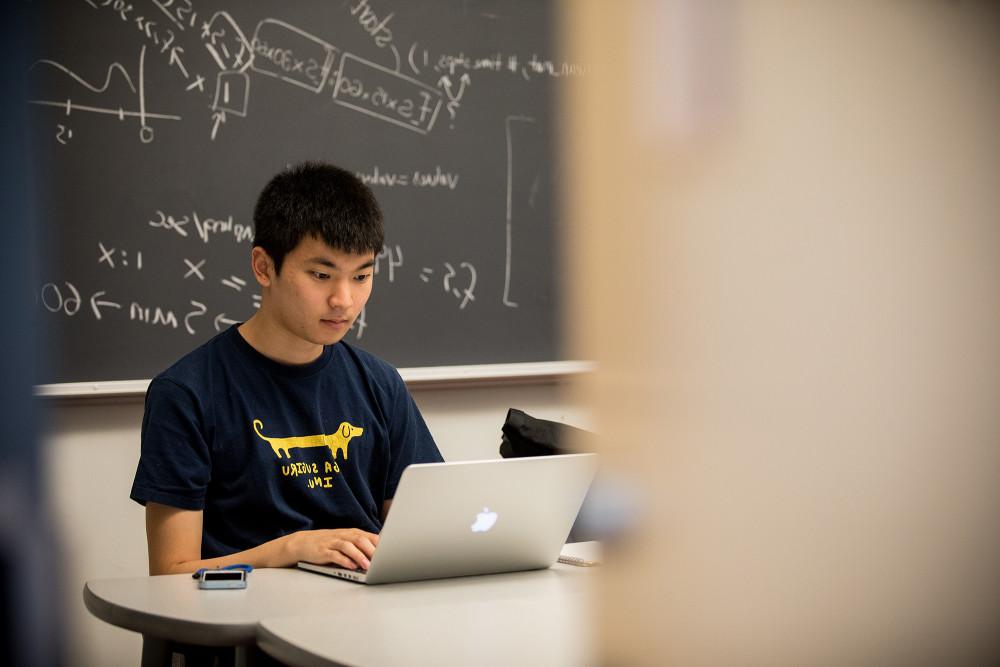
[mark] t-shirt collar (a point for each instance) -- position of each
(278, 368)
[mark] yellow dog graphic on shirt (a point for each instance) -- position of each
(335, 441)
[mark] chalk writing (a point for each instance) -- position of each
(223, 40)
(163, 38)
(63, 134)
(170, 222)
(180, 12)
(226, 43)
(452, 278)
(108, 256)
(382, 93)
(155, 315)
(464, 294)
(194, 269)
(234, 282)
(222, 321)
(382, 177)
(370, 22)
(413, 58)
(54, 301)
(112, 68)
(67, 300)
(509, 216)
(393, 260)
(454, 98)
(498, 62)
(199, 310)
(229, 48)
(232, 94)
(292, 55)
(281, 50)
(206, 228)
(436, 178)
(199, 83)
(145, 130)
(179, 286)
(96, 304)
(361, 323)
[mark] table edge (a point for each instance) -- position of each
(167, 627)
(278, 648)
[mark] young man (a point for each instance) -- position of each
(276, 441)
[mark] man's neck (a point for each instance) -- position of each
(277, 343)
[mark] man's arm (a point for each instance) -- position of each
(174, 539)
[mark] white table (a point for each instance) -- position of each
(308, 619)
(528, 618)
(172, 607)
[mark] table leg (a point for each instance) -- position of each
(253, 656)
(156, 652)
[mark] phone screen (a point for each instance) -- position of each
(223, 575)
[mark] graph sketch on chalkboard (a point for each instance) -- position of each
(122, 111)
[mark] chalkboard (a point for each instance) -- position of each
(156, 123)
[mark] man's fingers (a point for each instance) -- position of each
(352, 552)
(340, 559)
(350, 548)
(363, 540)
(365, 544)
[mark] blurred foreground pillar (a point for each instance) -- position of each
(783, 234)
(31, 630)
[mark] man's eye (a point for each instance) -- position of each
(318, 275)
(362, 277)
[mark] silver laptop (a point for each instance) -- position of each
(476, 517)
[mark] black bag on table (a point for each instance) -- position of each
(524, 435)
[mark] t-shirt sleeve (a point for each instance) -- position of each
(175, 461)
(410, 439)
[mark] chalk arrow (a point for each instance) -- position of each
(97, 305)
(445, 83)
(221, 320)
(219, 117)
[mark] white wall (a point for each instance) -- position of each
(91, 453)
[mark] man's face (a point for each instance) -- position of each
(320, 291)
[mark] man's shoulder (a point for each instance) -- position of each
(194, 368)
(369, 365)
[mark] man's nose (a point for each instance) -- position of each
(341, 296)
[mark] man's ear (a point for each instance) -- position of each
(262, 265)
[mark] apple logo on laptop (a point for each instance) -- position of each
(484, 521)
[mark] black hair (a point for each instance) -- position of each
(321, 200)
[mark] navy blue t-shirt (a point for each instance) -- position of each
(266, 449)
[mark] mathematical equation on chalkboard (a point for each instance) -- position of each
(214, 57)
(455, 280)
(157, 122)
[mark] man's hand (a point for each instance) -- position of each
(174, 539)
(347, 547)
